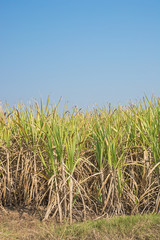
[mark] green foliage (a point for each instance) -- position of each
(109, 156)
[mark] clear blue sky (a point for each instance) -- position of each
(87, 51)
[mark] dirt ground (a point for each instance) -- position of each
(24, 224)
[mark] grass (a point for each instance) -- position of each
(139, 227)
(79, 165)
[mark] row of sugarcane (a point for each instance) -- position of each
(81, 165)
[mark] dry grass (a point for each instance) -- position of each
(18, 226)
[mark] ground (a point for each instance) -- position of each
(23, 224)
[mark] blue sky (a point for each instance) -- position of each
(87, 51)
